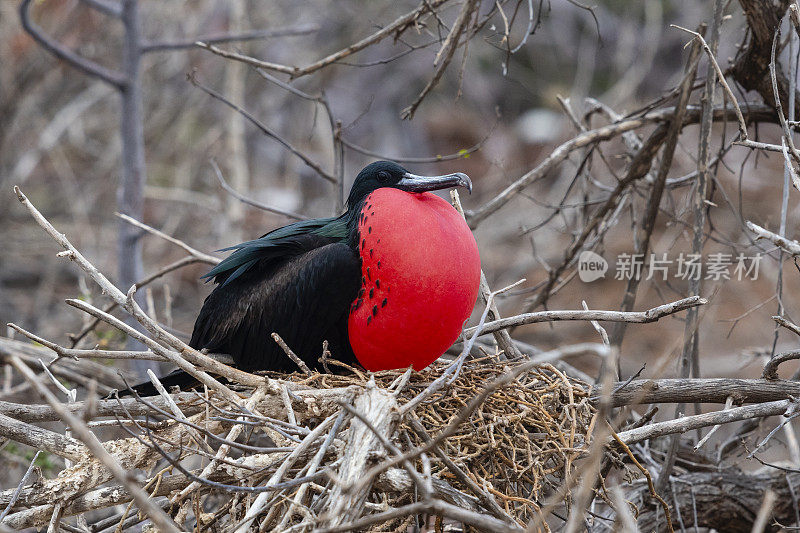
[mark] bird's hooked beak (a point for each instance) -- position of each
(413, 183)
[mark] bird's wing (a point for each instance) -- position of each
(305, 300)
(277, 245)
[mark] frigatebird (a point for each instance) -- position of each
(388, 283)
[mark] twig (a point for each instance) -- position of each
(657, 189)
(528, 31)
(293, 356)
(702, 390)
(210, 259)
(721, 78)
(75, 338)
(624, 519)
(791, 326)
(263, 128)
(596, 325)
(451, 372)
(176, 411)
(188, 357)
(461, 154)
(42, 439)
(19, 486)
(436, 507)
(445, 55)
(790, 246)
(180, 359)
(391, 448)
(486, 499)
(161, 46)
(728, 405)
(103, 408)
(786, 419)
(223, 450)
(690, 358)
(770, 371)
(262, 499)
(597, 135)
(688, 423)
(451, 427)
(78, 353)
(643, 470)
(245, 59)
(787, 134)
(313, 466)
(502, 337)
(244, 199)
(347, 497)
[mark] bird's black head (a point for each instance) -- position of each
(389, 174)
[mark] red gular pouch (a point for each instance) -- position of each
(420, 278)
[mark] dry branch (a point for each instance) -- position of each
(688, 423)
(345, 502)
(790, 246)
(640, 317)
(396, 26)
(702, 390)
(41, 439)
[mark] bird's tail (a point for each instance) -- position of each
(178, 378)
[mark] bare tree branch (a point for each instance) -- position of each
(688, 423)
(162, 46)
(112, 77)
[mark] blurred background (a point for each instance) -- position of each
(499, 110)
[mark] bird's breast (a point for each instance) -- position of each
(420, 275)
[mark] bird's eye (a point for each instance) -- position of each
(383, 176)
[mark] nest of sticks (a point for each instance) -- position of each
(326, 452)
(517, 442)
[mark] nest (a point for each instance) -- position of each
(326, 452)
(519, 442)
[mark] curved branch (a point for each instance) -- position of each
(87, 66)
(771, 368)
(264, 129)
(245, 200)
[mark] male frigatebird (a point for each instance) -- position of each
(389, 283)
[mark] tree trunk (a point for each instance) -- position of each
(130, 191)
